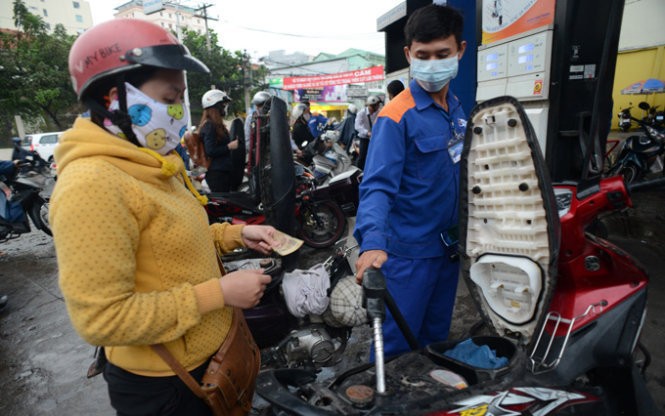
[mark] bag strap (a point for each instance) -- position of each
(181, 372)
(175, 365)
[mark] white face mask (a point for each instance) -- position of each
(157, 126)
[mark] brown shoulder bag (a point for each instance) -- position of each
(229, 381)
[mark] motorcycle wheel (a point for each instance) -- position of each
(321, 224)
(630, 173)
(39, 215)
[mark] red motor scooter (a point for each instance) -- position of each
(565, 308)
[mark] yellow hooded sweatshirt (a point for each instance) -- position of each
(136, 256)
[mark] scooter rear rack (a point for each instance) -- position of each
(550, 358)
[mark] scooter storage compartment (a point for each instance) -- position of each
(502, 346)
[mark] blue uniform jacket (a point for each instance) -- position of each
(410, 188)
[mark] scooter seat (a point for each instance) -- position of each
(240, 199)
(509, 224)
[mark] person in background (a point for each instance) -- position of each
(394, 87)
(347, 128)
(365, 120)
(300, 132)
(258, 101)
(145, 272)
(317, 123)
(409, 192)
(7, 169)
(18, 152)
(216, 140)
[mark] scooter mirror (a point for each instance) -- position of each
(644, 106)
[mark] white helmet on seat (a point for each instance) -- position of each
(261, 98)
(212, 97)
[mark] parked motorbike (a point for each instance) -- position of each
(285, 194)
(23, 196)
(625, 118)
(330, 160)
(320, 212)
(565, 308)
(640, 154)
(311, 342)
(653, 117)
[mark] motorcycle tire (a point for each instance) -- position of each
(321, 224)
(630, 173)
(39, 215)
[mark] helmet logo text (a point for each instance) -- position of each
(101, 53)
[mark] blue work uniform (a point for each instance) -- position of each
(408, 198)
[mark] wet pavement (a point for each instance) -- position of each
(43, 361)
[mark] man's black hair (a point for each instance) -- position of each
(434, 22)
(395, 87)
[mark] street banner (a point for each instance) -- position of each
(374, 73)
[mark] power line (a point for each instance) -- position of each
(296, 35)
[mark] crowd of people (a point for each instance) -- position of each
(147, 273)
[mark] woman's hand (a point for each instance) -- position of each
(369, 258)
(233, 145)
(260, 238)
(244, 288)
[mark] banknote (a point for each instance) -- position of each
(286, 243)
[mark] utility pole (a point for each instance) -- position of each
(246, 78)
(205, 18)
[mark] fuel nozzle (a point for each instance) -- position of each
(374, 289)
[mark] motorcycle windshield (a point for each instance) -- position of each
(281, 204)
(509, 223)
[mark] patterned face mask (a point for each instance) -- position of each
(157, 126)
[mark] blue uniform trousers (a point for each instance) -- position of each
(424, 291)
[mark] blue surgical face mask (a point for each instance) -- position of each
(433, 74)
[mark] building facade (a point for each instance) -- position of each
(74, 15)
(332, 100)
(170, 17)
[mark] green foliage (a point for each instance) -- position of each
(228, 72)
(34, 80)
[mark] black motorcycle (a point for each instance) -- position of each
(23, 195)
(653, 117)
(310, 340)
(639, 154)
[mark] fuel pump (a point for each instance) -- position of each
(557, 57)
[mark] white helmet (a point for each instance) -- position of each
(352, 109)
(372, 100)
(260, 98)
(298, 110)
(213, 97)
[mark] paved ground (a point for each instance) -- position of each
(43, 362)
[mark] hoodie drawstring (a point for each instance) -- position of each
(170, 169)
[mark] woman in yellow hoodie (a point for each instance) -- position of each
(136, 256)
